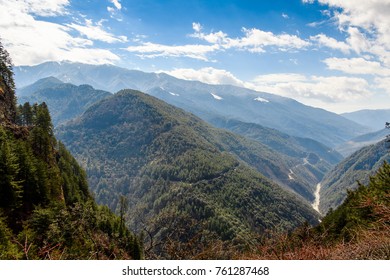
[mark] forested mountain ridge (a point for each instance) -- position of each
(65, 101)
(205, 100)
(279, 141)
(46, 210)
(178, 171)
(358, 167)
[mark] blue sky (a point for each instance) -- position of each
(333, 54)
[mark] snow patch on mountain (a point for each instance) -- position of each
(170, 92)
(261, 100)
(216, 96)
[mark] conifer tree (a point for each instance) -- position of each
(7, 87)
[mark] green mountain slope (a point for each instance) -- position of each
(178, 171)
(320, 157)
(344, 176)
(65, 101)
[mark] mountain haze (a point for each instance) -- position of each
(347, 148)
(374, 119)
(204, 100)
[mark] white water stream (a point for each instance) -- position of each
(316, 202)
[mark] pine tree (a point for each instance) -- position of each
(10, 187)
(7, 87)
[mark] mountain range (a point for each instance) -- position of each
(205, 100)
(309, 159)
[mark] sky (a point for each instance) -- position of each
(332, 54)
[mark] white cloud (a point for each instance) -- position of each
(213, 38)
(207, 75)
(285, 16)
(95, 32)
(197, 27)
(279, 78)
(41, 7)
(328, 89)
(367, 24)
(30, 41)
(332, 43)
(357, 40)
(383, 83)
(117, 4)
(256, 40)
(151, 50)
(357, 65)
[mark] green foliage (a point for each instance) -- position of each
(6, 72)
(7, 87)
(10, 186)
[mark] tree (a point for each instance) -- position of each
(7, 86)
(123, 207)
(10, 187)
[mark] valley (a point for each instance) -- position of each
(195, 130)
(231, 179)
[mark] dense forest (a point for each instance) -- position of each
(46, 209)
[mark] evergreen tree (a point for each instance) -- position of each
(7, 87)
(10, 187)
